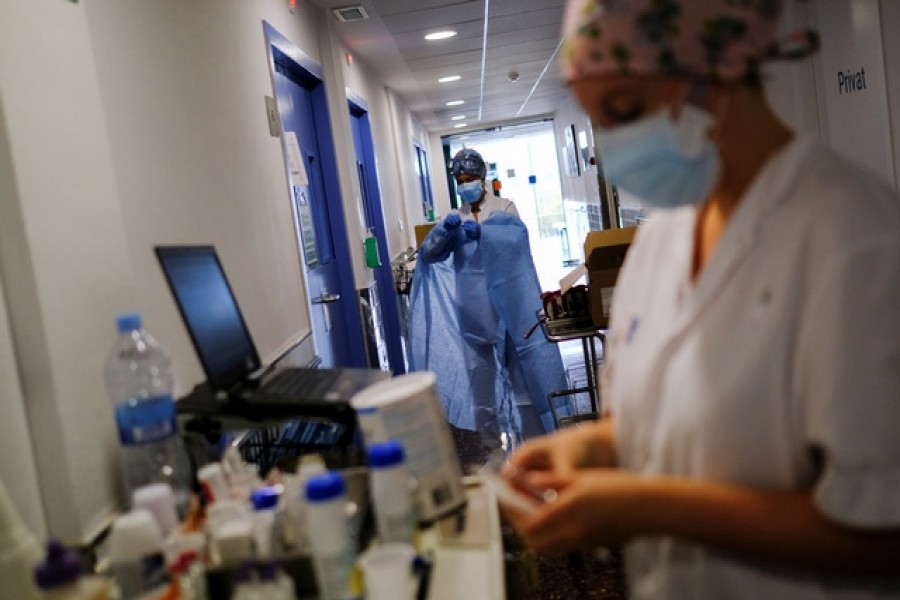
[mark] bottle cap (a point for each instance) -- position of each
(324, 487)
(128, 322)
(265, 497)
(386, 454)
(60, 567)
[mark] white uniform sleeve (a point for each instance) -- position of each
(848, 378)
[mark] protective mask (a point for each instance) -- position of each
(469, 192)
(663, 161)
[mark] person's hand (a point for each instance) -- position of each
(567, 450)
(472, 229)
(592, 508)
(452, 221)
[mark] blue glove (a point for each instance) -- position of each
(452, 221)
(472, 229)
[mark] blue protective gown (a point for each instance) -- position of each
(471, 303)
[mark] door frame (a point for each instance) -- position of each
(349, 310)
(384, 276)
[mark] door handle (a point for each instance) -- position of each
(326, 298)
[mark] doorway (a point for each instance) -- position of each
(522, 160)
(308, 147)
(374, 216)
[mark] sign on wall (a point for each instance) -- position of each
(851, 75)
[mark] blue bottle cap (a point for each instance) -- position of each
(386, 454)
(265, 497)
(61, 567)
(128, 322)
(324, 487)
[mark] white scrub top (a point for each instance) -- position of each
(779, 367)
(489, 206)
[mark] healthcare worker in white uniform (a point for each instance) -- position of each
(752, 445)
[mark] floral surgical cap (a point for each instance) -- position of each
(722, 40)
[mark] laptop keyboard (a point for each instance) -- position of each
(312, 384)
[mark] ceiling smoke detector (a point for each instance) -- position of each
(347, 14)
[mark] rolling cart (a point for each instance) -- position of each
(564, 330)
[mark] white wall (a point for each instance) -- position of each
(582, 187)
(890, 36)
(64, 255)
(126, 124)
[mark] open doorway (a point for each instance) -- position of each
(522, 159)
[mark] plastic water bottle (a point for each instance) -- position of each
(392, 493)
(140, 383)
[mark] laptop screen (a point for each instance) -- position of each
(210, 313)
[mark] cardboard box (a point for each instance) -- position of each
(604, 253)
(422, 231)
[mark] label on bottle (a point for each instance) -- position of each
(333, 574)
(145, 420)
(396, 527)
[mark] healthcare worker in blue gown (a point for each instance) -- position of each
(475, 296)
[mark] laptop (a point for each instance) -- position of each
(234, 373)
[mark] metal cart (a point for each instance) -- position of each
(564, 330)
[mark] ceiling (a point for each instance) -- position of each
(522, 37)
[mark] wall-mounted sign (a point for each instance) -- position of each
(307, 230)
(851, 71)
(296, 164)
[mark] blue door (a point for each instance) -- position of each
(374, 214)
(424, 182)
(319, 215)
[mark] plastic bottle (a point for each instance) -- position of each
(293, 505)
(275, 584)
(19, 552)
(329, 535)
(59, 577)
(265, 503)
(137, 555)
(140, 383)
(245, 586)
(392, 494)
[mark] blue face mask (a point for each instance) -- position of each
(665, 162)
(469, 192)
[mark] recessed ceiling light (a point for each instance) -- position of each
(440, 35)
(458, 118)
(456, 102)
(459, 125)
(449, 78)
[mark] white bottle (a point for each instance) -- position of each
(265, 503)
(329, 535)
(140, 383)
(137, 555)
(275, 584)
(293, 504)
(19, 552)
(59, 577)
(392, 494)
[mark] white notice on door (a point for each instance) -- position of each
(296, 164)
